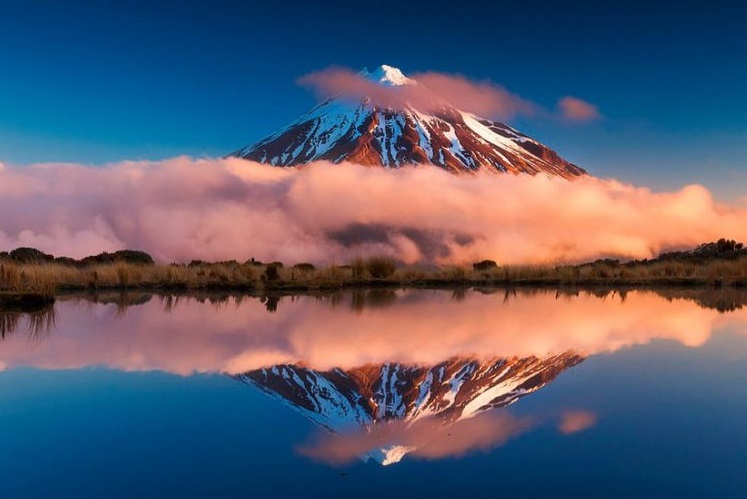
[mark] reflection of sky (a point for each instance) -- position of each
(416, 327)
(670, 424)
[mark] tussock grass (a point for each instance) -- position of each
(47, 278)
(381, 267)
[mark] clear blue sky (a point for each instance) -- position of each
(99, 81)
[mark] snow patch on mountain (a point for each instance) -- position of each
(388, 75)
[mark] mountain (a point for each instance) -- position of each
(371, 395)
(366, 133)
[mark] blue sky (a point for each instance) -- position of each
(101, 81)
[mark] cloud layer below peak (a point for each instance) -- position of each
(183, 209)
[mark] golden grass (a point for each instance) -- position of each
(48, 278)
(44, 278)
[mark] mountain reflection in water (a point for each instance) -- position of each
(400, 408)
(390, 372)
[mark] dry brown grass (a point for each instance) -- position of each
(358, 268)
(48, 278)
(381, 267)
(10, 276)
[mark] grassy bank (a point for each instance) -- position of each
(45, 279)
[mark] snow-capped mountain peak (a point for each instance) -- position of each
(405, 124)
(388, 76)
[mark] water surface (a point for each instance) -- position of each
(527, 393)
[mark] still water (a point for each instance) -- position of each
(379, 393)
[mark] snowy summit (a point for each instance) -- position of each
(366, 133)
(388, 75)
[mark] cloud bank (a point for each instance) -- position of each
(215, 209)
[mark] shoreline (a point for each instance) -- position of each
(37, 283)
(436, 283)
(30, 278)
(37, 301)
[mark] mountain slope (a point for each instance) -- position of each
(369, 134)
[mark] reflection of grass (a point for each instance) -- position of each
(9, 322)
(38, 322)
(358, 299)
(361, 299)
(45, 279)
(24, 301)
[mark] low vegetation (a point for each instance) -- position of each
(26, 271)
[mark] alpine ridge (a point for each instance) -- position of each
(364, 132)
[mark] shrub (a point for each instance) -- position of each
(227, 263)
(271, 273)
(381, 267)
(610, 262)
(721, 248)
(304, 267)
(484, 265)
(66, 261)
(30, 255)
(600, 271)
(121, 256)
(101, 258)
(133, 256)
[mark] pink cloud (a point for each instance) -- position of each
(340, 82)
(426, 439)
(434, 89)
(482, 98)
(430, 93)
(578, 110)
(215, 209)
(575, 421)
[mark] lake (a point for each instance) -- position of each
(371, 393)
